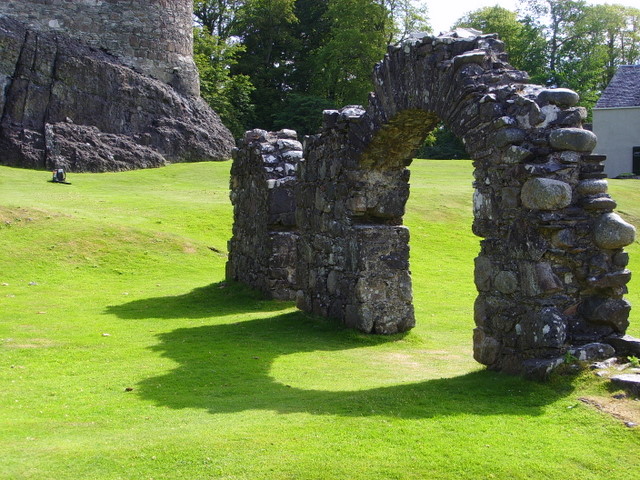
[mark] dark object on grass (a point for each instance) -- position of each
(59, 176)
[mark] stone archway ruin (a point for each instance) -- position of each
(327, 229)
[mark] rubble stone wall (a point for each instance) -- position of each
(262, 251)
(551, 273)
(154, 36)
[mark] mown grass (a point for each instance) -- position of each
(124, 355)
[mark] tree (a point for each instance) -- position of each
(585, 43)
(407, 16)
(357, 39)
(219, 17)
(228, 95)
(266, 29)
(355, 35)
(311, 31)
(620, 36)
(294, 57)
(302, 112)
(442, 144)
(567, 22)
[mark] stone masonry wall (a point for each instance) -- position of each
(262, 251)
(551, 273)
(353, 253)
(153, 36)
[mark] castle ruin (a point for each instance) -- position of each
(102, 85)
(154, 37)
(551, 273)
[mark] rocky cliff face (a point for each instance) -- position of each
(65, 105)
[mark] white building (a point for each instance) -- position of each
(616, 122)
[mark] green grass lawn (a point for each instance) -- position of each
(123, 355)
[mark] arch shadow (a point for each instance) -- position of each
(214, 300)
(227, 369)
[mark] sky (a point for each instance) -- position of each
(443, 13)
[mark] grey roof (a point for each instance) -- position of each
(623, 90)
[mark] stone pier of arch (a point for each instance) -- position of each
(323, 224)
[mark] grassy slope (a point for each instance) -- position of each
(229, 385)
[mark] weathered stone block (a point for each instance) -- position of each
(606, 311)
(540, 368)
(545, 194)
(506, 282)
(482, 205)
(601, 203)
(611, 232)
(564, 238)
(624, 344)
(515, 154)
(593, 352)
(483, 273)
(592, 187)
(558, 96)
(575, 139)
(509, 136)
(547, 279)
(611, 280)
(628, 381)
(480, 311)
(545, 328)
(621, 259)
(486, 349)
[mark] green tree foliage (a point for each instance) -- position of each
(228, 95)
(302, 112)
(407, 16)
(357, 39)
(619, 30)
(442, 144)
(266, 29)
(575, 55)
(311, 31)
(219, 17)
(266, 61)
(298, 55)
(585, 42)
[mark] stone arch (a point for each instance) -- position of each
(551, 271)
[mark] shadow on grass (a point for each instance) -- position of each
(226, 368)
(215, 300)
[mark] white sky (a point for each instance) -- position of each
(443, 13)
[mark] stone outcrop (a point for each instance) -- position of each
(66, 105)
(154, 37)
(551, 273)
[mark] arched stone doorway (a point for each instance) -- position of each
(551, 270)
